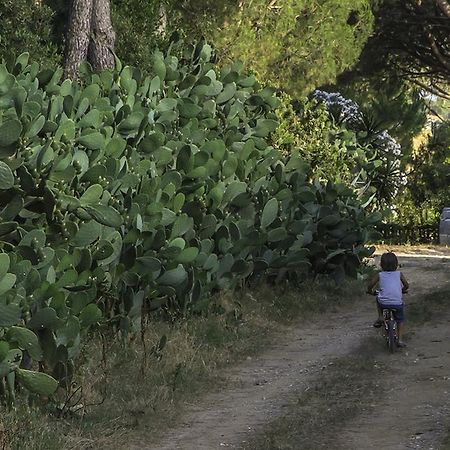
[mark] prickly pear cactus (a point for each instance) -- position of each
(127, 188)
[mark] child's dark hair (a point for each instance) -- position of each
(389, 262)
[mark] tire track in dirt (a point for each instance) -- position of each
(260, 389)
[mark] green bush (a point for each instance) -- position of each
(27, 26)
(136, 24)
(428, 188)
(127, 189)
(308, 130)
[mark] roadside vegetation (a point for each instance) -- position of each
(124, 393)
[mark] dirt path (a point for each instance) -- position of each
(413, 409)
(259, 389)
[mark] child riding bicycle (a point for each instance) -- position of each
(391, 285)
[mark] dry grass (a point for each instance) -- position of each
(29, 429)
(127, 396)
(423, 312)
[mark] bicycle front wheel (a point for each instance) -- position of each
(391, 336)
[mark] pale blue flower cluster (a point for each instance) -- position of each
(347, 112)
(343, 109)
(388, 144)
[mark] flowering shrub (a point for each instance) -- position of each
(344, 110)
(378, 174)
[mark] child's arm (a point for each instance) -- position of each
(404, 283)
(372, 283)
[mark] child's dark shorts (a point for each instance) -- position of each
(399, 311)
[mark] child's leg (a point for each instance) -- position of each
(400, 316)
(379, 321)
(380, 312)
(401, 330)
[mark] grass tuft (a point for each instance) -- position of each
(27, 428)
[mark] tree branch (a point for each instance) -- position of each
(435, 113)
(438, 88)
(444, 7)
(431, 89)
(436, 51)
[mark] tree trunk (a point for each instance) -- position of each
(78, 36)
(162, 18)
(90, 36)
(103, 37)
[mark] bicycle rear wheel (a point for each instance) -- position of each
(391, 336)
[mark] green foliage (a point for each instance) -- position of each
(309, 132)
(342, 145)
(126, 189)
(296, 44)
(410, 46)
(137, 28)
(412, 39)
(26, 26)
(395, 104)
(428, 188)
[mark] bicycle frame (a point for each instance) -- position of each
(390, 329)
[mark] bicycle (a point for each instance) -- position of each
(390, 326)
(390, 329)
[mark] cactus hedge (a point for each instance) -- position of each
(122, 189)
